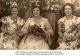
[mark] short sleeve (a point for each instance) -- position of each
(61, 21)
(3, 20)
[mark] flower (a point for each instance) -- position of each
(14, 4)
(36, 30)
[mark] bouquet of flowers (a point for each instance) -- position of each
(36, 30)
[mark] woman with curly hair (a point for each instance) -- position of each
(38, 31)
(67, 28)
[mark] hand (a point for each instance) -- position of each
(19, 33)
(61, 35)
(48, 37)
(47, 33)
(60, 39)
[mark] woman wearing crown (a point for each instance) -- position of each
(10, 26)
(35, 30)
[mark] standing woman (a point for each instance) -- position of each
(36, 29)
(10, 26)
(67, 28)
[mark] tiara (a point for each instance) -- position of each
(14, 4)
(36, 3)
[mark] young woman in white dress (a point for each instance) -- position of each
(36, 40)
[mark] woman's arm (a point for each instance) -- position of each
(60, 31)
(3, 21)
(24, 29)
(48, 31)
(48, 28)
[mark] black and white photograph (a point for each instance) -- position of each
(39, 24)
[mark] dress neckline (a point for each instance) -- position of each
(37, 21)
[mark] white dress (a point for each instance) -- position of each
(33, 42)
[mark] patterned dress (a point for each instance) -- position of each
(69, 39)
(8, 35)
(33, 42)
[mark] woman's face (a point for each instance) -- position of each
(68, 10)
(36, 12)
(14, 12)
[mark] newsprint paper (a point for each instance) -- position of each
(39, 27)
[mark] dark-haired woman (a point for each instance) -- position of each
(67, 28)
(10, 26)
(35, 28)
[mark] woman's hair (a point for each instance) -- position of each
(36, 6)
(68, 4)
(14, 7)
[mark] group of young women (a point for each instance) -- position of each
(36, 32)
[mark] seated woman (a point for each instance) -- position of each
(10, 26)
(67, 28)
(36, 29)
